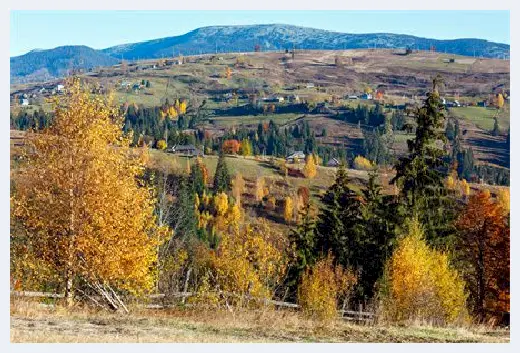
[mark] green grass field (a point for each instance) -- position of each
(483, 117)
(228, 121)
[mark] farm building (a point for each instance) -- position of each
(188, 150)
(333, 162)
(296, 156)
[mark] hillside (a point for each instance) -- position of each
(225, 39)
(279, 36)
(41, 65)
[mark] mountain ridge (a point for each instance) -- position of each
(240, 38)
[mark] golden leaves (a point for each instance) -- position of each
(90, 200)
(420, 284)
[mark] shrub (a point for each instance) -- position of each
(321, 288)
(361, 163)
(419, 284)
(161, 144)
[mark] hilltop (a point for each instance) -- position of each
(225, 39)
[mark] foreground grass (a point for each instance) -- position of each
(30, 322)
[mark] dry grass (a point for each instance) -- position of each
(32, 322)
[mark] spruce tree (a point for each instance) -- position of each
(222, 179)
(303, 239)
(496, 128)
(338, 223)
(450, 131)
(420, 175)
(196, 181)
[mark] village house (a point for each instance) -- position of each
(333, 162)
(296, 156)
(187, 150)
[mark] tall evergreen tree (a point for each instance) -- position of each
(420, 175)
(338, 223)
(303, 239)
(222, 179)
(496, 128)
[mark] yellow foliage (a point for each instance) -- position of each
(420, 284)
(221, 203)
(288, 210)
(309, 170)
(238, 188)
(249, 262)
(503, 199)
(500, 100)
(321, 288)
(161, 144)
(260, 188)
(78, 200)
(361, 163)
(450, 182)
(464, 187)
(271, 203)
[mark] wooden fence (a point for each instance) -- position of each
(163, 301)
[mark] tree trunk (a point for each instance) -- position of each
(69, 290)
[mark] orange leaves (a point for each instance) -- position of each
(484, 248)
(420, 284)
(322, 286)
(231, 146)
(228, 73)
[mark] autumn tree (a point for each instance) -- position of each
(231, 146)
(228, 73)
(251, 262)
(483, 252)
(82, 209)
(260, 187)
(288, 210)
(238, 188)
(309, 170)
(499, 100)
(322, 287)
(420, 284)
(246, 148)
(161, 144)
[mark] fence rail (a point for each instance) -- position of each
(344, 314)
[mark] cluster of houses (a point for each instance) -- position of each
(299, 156)
(27, 97)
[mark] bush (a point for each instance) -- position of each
(161, 144)
(321, 288)
(361, 163)
(419, 284)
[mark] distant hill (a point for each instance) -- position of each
(47, 64)
(276, 36)
(55, 62)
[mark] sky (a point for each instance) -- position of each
(101, 29)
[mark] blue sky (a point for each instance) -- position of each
(101, 29)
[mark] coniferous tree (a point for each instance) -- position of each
(450, 131)
(420, 174)
(303, 239)
(338, 223)
(222, 179)
(496, 128)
